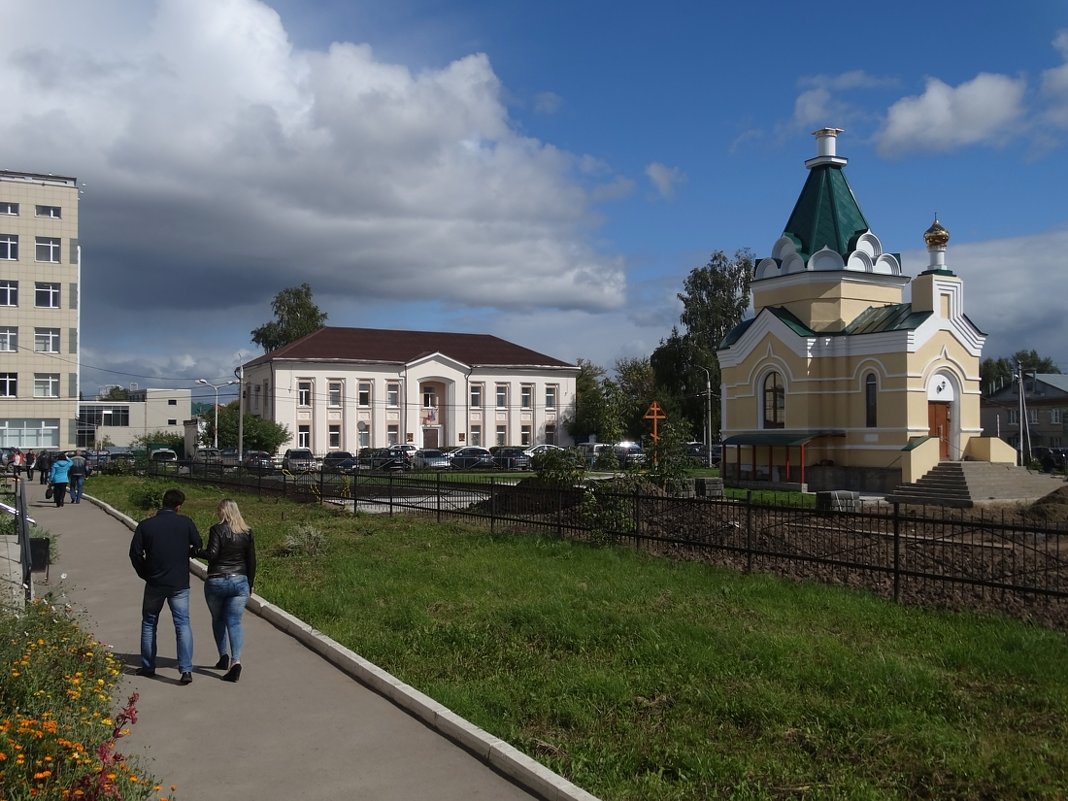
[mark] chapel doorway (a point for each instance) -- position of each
(938, 423)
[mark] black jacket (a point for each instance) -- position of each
(161, 548)
(231, 554)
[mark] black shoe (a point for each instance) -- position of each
(148, 673)
(187, 678)
(223, 663)
(234, 673)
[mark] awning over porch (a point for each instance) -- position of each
(775, 438)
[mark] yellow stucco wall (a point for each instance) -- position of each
(825, 302)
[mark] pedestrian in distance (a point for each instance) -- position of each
(31, 462)
(160, 551)
(231, 555)
(78, 470)
(58, 476)
(18, 461)
(44, 464)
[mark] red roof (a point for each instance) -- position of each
(402, 347)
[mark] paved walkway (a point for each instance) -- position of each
(298, 725)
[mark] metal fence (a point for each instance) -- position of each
(957, 558)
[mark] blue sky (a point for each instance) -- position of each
(548, 172)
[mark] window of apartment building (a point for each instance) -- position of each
(550, 396)
(363, 438)
(364, 396)
(46, 295)
(46, 340)
(304, 396)
(502, 435)
(11, 209)
(50, 211)
(303, 436)
(9, 293)
(48, 249)
(393, 395)
(392, 434)
(334, 436)
(172, 421)
(476, 396)
(502, 396)
(46, 385)
(9, 385)
(9, 338)
(430, 397)
(524, 435)
(476, 435)
(333, 396)
(172, 401)
(1032, 416)
(9, 247)
(526, 396)
(550, 433)
(1056, 416)
(1014, 418)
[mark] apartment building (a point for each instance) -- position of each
(148, 411)
(351, 388)
(40, 274)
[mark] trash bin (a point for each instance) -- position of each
(40, 556)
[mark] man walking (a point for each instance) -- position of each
(76, 475)
(160, 552)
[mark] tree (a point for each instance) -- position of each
(258, 434)
(596, 411)
(115, 393)
(997, 373)
(295, 316)
(637, 389)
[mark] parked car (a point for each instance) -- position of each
(431, 459)
(473, 457)
(207, 456)
(163, 455)
(339, 462)
(229, 457)
(512, 459)
(699, 453)
(1051, 459)
(391, 459)
(121, 462)
(629, 453)
(258, 462)
(299, 460)
(540, 449)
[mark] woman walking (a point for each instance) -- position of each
(231, 555)
(58, 475)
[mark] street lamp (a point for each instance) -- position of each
(216, 387)
(708, 414)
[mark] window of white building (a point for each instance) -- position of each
(46, 385)
(9, 247)
(364, 396)
(46, 295)
(476, 396)
(393, 395)
(502, 396)
(334, 394)
(304, 396)
(48, 249)
(46, 340)
(9, 338)
(550, 396)
(303, 436)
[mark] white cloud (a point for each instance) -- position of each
(213, 150)
(983, 110)
(547, 102)
(664, 178)
(1055, 85)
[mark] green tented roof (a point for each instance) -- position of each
(826, 214)
(895, 317)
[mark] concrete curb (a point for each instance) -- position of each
(511, 762)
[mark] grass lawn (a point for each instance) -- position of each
(642, 678)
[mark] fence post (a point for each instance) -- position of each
(438, 482)
(897, 551)
(322, 486)
(493, 505)
(559, 512)
(391, 493)
(749, 531)
(637, 517)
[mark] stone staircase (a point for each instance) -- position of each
(965, 484)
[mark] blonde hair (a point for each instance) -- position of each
(231, 515)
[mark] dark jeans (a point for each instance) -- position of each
(77, 483)
(151, 606)
(59, 493)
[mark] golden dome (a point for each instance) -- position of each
(936, 236)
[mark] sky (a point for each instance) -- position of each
(548, 172)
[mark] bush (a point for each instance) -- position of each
(304, 540)
(148, 495)
(559, 468)
(57, 735)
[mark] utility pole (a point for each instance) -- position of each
(708, 414)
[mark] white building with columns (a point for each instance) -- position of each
(351, 388)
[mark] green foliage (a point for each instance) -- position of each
(258, 433)
(147, 495)
(295, 315)
(670, 461)
(303, 540)
(115, 393)
(160, 439)
(559, 468)
(57, 732)
(997, 373)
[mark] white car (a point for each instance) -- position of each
(538, 449)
